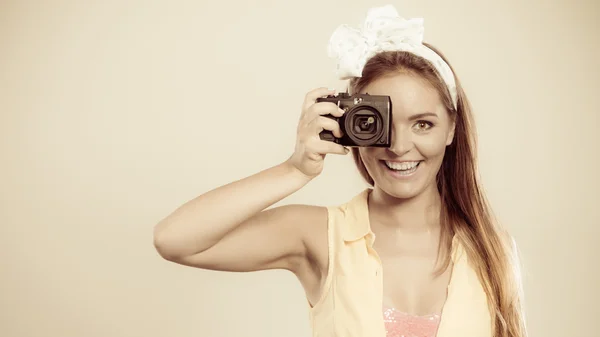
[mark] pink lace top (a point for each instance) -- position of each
(400, 324)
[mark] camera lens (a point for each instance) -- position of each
(364, 125)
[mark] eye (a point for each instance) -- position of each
(423, 125)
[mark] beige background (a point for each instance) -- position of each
(113, 113)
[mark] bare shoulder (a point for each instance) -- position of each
(315, 232)
(311, 224)
(308, 221)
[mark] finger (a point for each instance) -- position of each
(324, 108)
(311, 96)
(324, 123)
(325, 147)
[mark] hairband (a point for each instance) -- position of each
(383, 30)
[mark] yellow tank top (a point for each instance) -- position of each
(351, 303)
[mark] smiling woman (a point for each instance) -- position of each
(439, 266)
(427, 179)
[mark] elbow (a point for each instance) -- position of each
(173, 245)
(165, 247)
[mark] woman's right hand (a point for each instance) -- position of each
(310, 150)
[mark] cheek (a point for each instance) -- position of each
(370, 156)
(432, 145)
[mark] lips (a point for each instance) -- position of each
(403, 169)
(401, 166)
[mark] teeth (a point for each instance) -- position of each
(401, 166)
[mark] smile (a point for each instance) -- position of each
(402, 169)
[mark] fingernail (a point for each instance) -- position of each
(347, 149)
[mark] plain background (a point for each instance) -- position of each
(113, 113)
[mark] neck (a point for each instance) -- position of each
(417, 214)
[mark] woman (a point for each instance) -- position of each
(439, 266)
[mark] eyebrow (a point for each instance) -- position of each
(422, 115)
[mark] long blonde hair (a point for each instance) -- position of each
(465, 212)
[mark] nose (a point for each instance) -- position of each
(402, 142)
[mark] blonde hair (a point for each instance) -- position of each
(465, 212)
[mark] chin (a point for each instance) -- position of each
(400, 193)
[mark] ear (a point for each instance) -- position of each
(450, 137)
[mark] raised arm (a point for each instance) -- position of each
(231, 228)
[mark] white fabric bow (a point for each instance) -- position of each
(383, 30)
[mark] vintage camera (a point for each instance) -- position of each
(367, 121)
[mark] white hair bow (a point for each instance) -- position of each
(383, 30)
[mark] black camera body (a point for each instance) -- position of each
(367, 121)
